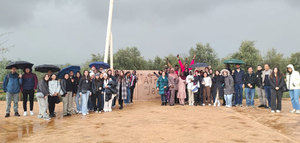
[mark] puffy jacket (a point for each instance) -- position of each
(229, 83)
(293, 79)
(12, 83)
(29, 81)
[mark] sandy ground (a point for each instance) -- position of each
(150, 122)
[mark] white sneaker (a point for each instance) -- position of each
(209, 104)
(25, 114)
(203, 104)
(278, 111)
(272, 111)
(297, 111)
(293, 111)
(31, 113)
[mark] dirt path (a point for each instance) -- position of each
(149, 122)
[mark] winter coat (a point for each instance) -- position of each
(84, 85)
(96, 84)
(217, 82)
(229, 83)
(265, 81)
(293, 79)
(239, 77)
(281, 83)
(66, 86)
(12, 83)
(43, 87)
(250, 79)
(161, 83)
(122, 85)
(54, 87)
(197, 80)
(29, 81)
(258, 75)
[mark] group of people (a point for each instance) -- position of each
(96, 90)
(183, 85)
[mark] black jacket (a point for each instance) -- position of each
(281, 83)
(84, 85)
(217, 82)
(96, 84)
(66, 85)
(250, 79)
(259, 79)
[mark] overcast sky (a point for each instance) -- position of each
(68, 31)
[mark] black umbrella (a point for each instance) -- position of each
(19, 65)
(46, 68)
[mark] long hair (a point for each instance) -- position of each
(120, 78)
(88, 76)
(278, 73)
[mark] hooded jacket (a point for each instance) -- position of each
(29, 81)
(293, 79)
(12, 83)
(229, 83)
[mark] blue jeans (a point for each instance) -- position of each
(249, 93)
(163, 98)
(238, 88)
(294, 94)
(85, 99)
(268, 94)
(78, 102)
(127, 101)
(228, 100)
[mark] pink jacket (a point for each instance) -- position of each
(182, 66)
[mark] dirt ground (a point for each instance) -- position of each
(150, 122)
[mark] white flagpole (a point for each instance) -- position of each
(108, 32)
(111, 52)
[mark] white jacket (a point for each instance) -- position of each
(293, 80)
(189, 81)
(207, 81)
(54, 87)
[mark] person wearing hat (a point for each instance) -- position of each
(11, 86)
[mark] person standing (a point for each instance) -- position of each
(293, 85)
(266, 83)
(55, 91)
(162, 85)
(260, 89)
(277, 87)
(77, 98)
(207, 82)
(11, 86)
(238, 77)
(198, 95)
(250, 81)
(127, 78)
(122, 89)
(67, 90)
(29, 84)
(181, 95)
(84, 89)
(133, 81)
(217, 87)
(42, 97)
(190, 85)
(97, 86)
(173, 85)
(228, 87)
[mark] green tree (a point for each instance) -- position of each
(295, 60)
(275, 59)
(248, 53)
(204, 54)
(129, 59)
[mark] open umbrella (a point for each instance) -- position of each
(234, 61)
(98, 65)
(19, 65)
(46, 68)
(199, 65)
(66, 70)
